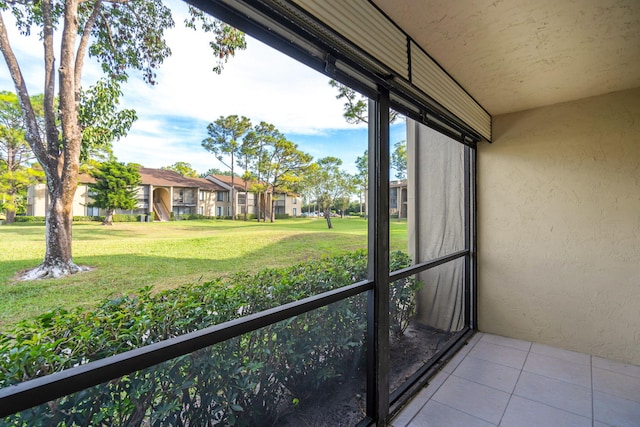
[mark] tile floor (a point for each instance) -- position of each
(498, 381)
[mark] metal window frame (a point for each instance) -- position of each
(34, 392)
(287, 37)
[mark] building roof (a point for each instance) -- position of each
(165, 178)
(238, 181)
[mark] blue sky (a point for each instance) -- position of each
(259, 83)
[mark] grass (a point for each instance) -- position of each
(128, 256)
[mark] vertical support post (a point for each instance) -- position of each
(474, 239)
(413, 190)
(468, 282)
(378, 269)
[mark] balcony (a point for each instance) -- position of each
(552, 282)
(495, 380)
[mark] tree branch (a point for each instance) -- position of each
(84, 42)
(33, 136)
(108, 28)
(72, 137)
(51, 129)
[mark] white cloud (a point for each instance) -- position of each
(259, 83)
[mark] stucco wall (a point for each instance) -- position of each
(559, 226)
(81, 200)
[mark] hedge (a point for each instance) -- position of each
(25, 218)
(242, 381)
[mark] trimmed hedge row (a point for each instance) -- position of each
(243, 381)
(116, 218)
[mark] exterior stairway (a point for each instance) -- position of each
(162, 213)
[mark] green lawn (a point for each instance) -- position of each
(128, 256)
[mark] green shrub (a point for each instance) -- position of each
(282, 216)
(125, 218)
(82, 218)
(241, 381)
(25, 218)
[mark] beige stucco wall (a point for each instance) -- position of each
(80, 200)
(36, 200)
(559, 226)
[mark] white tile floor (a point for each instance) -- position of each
(498, 381)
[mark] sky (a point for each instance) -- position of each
(259, 83)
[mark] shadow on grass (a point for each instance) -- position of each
(123, 274)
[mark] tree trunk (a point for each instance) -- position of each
(11, 211)
(327, 216)
(59, 158)
(233, 190)
(273, 209)
(258, 206)
(108, 219)
(246, 201)
(11, 216)
(57, 260)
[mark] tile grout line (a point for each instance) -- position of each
(558, 379)
(430, 397)
(515, 385)
(448, 374)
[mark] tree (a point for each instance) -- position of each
(122, 35)
(306, 188)
(284, 167)
(356, 106)
(278, 164)
(183, 168)
(100, 121)
(258, 140)
(347, 185)
(399, 159)
(223, 139)
(329, 184)
(15, 154)
(248, 154)
(362, 177)
(215, 171)
(115, 188)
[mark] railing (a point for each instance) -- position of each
(163, 212)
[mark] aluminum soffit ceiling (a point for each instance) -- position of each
(516, 55)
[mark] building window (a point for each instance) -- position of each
(295, 211)
(220, 196)
(219, 210)
(201, 210)
(294, 200)
(93, 211)
(202, 195)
